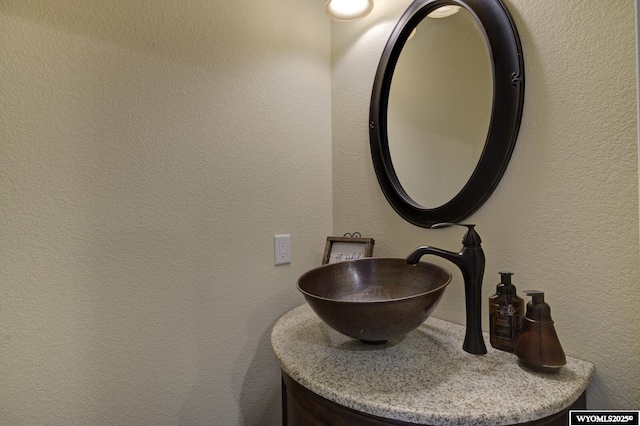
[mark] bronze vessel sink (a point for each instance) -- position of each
(374, 299)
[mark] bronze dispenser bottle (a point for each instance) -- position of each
(539, 348)
(506, 310)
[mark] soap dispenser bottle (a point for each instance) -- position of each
(539, 348)
(506, 311)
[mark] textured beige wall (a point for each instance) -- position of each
(565, 217)
(149, 151)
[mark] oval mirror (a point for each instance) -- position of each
(446, 107)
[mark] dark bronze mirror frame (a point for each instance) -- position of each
(508, 100)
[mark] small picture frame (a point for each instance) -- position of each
(339, 249)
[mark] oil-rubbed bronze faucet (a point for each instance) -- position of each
(470, 260)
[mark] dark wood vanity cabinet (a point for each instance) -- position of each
(301, 407)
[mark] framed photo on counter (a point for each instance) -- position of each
(339, 249)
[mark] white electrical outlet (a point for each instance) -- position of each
(282, 249)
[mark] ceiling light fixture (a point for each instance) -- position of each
(348, 10)
(444, 11)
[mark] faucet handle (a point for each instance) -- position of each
(470, 239)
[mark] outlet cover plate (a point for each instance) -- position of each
(282, 249)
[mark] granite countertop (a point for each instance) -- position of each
(424, 377)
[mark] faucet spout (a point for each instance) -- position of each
(414, 256)
(471, 261)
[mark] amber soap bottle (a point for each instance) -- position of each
(506, 312)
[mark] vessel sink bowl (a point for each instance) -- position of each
(374, 299)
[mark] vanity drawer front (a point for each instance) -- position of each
(301, 407)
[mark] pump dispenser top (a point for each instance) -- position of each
(539, 347)
(505, 286)
(537, 309)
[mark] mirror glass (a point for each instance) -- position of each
(446, 107)
(437, 129)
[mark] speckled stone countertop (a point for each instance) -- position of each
(424, 377)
